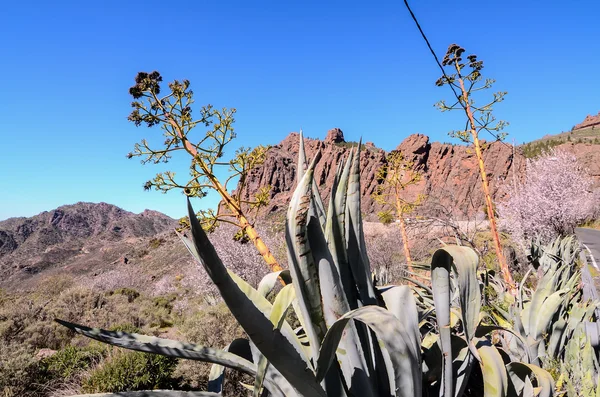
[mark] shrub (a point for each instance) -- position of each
(131, 371)
(20, 372)
(70, 360)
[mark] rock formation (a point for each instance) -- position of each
(450, 172)
(589, 121)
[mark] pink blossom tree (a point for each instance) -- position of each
(554, 197)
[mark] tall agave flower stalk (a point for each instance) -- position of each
(355, 339)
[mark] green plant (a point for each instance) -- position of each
(173, 113)
(395, 176)
(70, 360)
(20, 372)
(548, 320)
(131, 371)
(355, 339)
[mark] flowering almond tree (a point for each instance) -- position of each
(555, 196)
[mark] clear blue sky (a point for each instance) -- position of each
(361, 66)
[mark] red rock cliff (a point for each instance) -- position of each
(450, 173)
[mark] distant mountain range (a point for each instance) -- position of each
(82, 236)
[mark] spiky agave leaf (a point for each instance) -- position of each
(350, 353)
(402, 356)
(165, 347)
(519, 373)
(280, 308)
(441, 263)
(280, 349)
(495, 378)
(305, 277)
(355, 241)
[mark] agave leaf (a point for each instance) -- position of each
(419, 284)
(280, 307)
(153, 393)
(350, 352)
(301, 166)
(543, 290)
(279, 348)
(317, 206)
(274, 376)
(441, 263)
(341, 197)
(558, 330)
(495, 378)
(545, 313)
(465, 265)
(334, 236)
(239, 347)
(257, 298)
(165, 347)
(401, 355)
(305, 277)
(520, 372)
(400, 301)
(355, 239)
(464, 361)
(269, 281)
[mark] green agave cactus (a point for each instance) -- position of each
(355, 339)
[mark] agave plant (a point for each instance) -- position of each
(355, 339)
(546, 318)
(550, 321)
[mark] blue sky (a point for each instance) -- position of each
(361, 66)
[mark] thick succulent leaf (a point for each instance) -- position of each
(520, 372)
(441, 263)
(544, 315)
(337, 247)
(464, 363)
(279, 349)
(165, 347)
(350, 352)
(543, 290)
(400, 301)
(153, 393)
(317, 208)
(465, 265)
(285, 389)
(281, 305)
(341, 196)
(268, 282)
(556, 335)
(239, 347)
(401, 354)
(495, 378)
(301, 165)
(355, 239)
(305, 277)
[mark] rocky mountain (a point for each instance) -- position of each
(589, 121)
(79, 234)
(450, 172)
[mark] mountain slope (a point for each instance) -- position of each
(72, 233)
